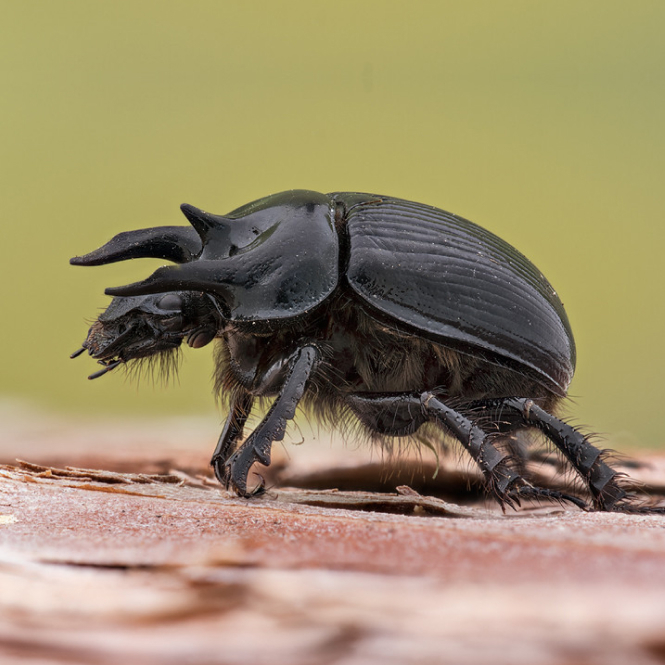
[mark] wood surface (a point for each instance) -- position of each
(116, 546)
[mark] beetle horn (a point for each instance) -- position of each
(179, 244)
(204, 222)
(208, 276)
(197, 276)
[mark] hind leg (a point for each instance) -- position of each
(402, 414)
(586, 459)
(503, 480)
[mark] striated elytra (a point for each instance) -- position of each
(359, 306)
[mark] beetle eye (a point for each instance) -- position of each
(170, 302)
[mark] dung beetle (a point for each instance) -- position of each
(394, 313)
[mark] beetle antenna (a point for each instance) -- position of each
(78, 352)
(107, 368)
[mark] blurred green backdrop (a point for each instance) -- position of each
(541, 121)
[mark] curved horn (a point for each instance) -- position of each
(179, 244)
(207, 276)
(205, 222)
(196, 276)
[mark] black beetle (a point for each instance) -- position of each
(395, 312)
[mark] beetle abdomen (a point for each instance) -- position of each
(453, 279)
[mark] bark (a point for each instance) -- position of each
(160, 565)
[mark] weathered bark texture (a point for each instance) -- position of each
(107, 567)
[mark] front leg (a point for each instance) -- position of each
(235, 423)
(272, 428)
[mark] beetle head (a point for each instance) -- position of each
(147, 326)
(273, 259)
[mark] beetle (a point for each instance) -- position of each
(395, 313)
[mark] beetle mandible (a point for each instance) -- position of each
(393, 312)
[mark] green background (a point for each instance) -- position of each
(542, 121)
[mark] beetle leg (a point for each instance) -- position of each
(402, 414)
(393, 414)
(504, 483)
(232, 431)
(585, 458)
(257, 446)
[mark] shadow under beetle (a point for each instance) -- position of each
(394, 312)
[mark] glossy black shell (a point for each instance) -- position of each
(426, 270)
(453, 279)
